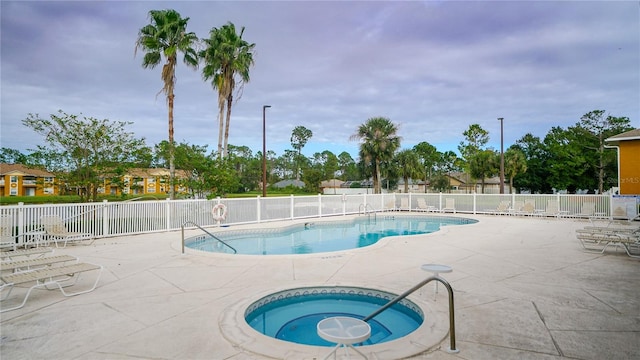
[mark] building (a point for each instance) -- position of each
(139, 181)
(20, 180)
(628, 147)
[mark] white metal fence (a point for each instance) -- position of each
(107, 219)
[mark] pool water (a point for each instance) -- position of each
(293, 315)
(325, 236)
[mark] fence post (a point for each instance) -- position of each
(21, 225)
(319, 205)
(168, 210)
(105, 217)
(474, 202)
(291, 203)
(259, 208)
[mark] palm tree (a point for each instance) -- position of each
(410, 166)
(379, 141)
(164, 38)
(226, 55)
(515, 163)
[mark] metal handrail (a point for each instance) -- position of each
(208, 233)
(452, 325)
(364, 210)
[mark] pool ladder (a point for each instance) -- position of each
(364, 208)
(208, 233)
(452, 325)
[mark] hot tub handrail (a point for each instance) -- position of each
(208, 233)
(452, 325)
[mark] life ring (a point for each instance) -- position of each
(219, 212)
(13, 185)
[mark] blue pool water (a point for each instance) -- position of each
(324, 236)
(293, 315)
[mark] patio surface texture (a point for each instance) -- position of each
(524, 289)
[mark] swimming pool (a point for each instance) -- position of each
(323, 236)
(292, 315)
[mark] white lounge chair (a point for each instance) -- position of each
(7, 240)
(404, 204)
(599, 239)
(501, 209)
(60, 277)
(56, 231)
(449, 205)
(422, 205)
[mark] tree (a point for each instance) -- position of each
(598, 128)
(536, 156)
(86, 150)
(448, 163)
(515, 163)
(347, 166)
(378, 142)
(12, 156)
(409, 166)
(475, 139)
(568, 164)
(299, 137)
(227, 59)
(482, 165)
(165, 37)
(429, 156)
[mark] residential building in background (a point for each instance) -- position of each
(20, 180)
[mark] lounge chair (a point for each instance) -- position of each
(404, 204)
(528, 209)
(450, 205)
(502, 208)
(56, 231)
(6, 232)
(60, 277)
(588, 210)
(516, 208)
(552, 209)
(390, 206)
(37, 263)
(600, 239)
(37, 252)
(422, 206)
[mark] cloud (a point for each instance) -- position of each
(432, 67)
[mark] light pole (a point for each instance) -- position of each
(501, 156)
(264, 150)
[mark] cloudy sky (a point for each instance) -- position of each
(431, 67)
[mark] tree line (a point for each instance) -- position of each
(83, 151)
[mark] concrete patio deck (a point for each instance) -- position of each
(524, 289)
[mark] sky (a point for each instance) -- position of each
(432, 67)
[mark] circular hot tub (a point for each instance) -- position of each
(283, 324)
(292, 315)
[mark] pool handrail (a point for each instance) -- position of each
(452, 325)
(208, 233)
(364, 210)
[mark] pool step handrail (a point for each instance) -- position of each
(364, 208)
(452, 324)
(208, 233)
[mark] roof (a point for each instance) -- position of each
(625, 136)
(19, 169)
(285, 183)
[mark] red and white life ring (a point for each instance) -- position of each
(219, 212)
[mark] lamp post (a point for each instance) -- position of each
(501, 156)
(264, 150)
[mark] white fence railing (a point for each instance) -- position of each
(107, 219)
